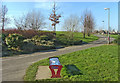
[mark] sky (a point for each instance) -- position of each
(16, 9)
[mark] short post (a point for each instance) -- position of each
(55, 64)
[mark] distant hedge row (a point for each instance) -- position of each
(27, 33)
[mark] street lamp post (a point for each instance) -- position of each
(103, 24)
(108, 24)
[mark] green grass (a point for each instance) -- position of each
(61, 39)
(77, 37)
(114, 36)
(117, 39)
(95, 64)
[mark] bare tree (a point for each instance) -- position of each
(31, 20)
(54, 17)
(88, 23)
(21, 22)
(3, 12)
(72, 24)
(35, 20)
(84, 22)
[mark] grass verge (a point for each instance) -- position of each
(77, 37)
(94, 64)
(117, 39)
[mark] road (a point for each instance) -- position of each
(13, 68)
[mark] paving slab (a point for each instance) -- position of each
(43, 72)
(13, 68)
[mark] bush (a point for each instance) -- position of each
(14, 40)
(64, 39)
(61, 39)
(42, 40)
(28, 48)
(4, 36)
(44, 37)
(4, 47)
(36, 38)
(28, 33)
(117, 41)
(77, 42)
(46, 43)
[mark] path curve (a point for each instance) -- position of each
(13, 68)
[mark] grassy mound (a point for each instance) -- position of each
(40, 43)
(93, 64)
(64, 38)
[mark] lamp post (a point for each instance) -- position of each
(108, 24)
(103, 24)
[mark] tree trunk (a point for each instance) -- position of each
(72, 38)
(3, 24)
(84, 34)
(54, 30)
(88, 34)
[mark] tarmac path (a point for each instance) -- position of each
(13, 68)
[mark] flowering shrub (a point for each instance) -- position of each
(40, 41)
(14, 40)
(3, 37)
(46, 43)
